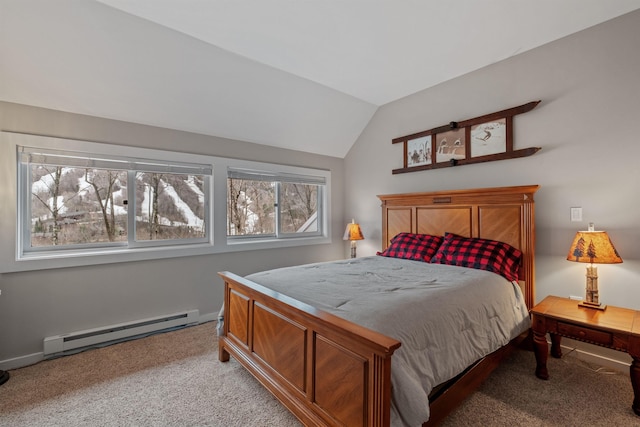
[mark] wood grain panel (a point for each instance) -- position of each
(437, 221)
(398, 220)
(238, 317)
(501, 223)
(340, 382)
(280, 343)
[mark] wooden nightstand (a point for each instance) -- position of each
(616, 328)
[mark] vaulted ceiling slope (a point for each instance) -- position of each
(305, 75)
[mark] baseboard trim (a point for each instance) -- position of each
(22, 361)
(597, 359)
(30, 359)
(209, 317)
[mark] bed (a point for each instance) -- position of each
(328, 370)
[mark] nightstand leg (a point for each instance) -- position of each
(556, 351)
(541, 350)
(635, 382)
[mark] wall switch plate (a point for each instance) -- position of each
(576, 214)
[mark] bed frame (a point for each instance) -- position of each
(328, 371)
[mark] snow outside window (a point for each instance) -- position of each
(73, 201)
(266, 204)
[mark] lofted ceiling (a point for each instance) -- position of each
(299, 74)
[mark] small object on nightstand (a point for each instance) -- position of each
(594, 247)
(353, 233)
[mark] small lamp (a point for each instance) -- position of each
(593, 247)
(353, 233)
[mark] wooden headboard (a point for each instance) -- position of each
(503, 213)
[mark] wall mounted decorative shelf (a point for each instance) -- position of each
(481, 139)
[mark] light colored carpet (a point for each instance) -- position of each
(175, 379)
(577, 394)
(170, 379)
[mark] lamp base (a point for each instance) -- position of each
(588, 304)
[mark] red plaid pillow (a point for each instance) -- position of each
(482, 254)
(420, 247)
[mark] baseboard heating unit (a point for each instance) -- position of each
(92, 337)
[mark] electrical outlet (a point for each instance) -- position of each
(576, 214)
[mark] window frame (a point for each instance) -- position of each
(12, 260)
(319, 215)
(278, 179)
(29, 156)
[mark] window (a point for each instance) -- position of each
(263, 204)
(75, 201)
(71, 206)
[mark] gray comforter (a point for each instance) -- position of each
(446, 317)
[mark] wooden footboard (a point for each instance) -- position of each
(326, 370)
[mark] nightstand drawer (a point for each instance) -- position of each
(582, 333)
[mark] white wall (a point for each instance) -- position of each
(587, 125)
(37, 304)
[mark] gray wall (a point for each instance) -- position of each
(587, 126)
(34, 305)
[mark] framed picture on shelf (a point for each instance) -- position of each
(450, 145)
(489, 138)
(419, 151)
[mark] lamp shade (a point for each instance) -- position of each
(593, 247)
(353, 232)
